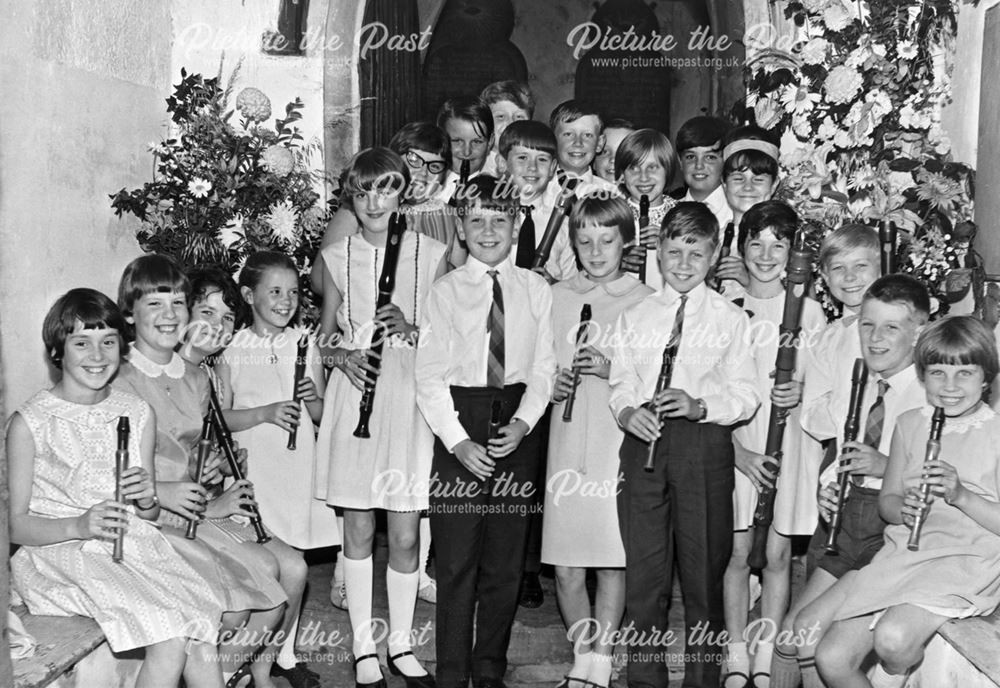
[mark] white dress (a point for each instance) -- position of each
(391, 469)
(262, 371)
(795, 509)
(153, 594)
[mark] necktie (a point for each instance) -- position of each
(566, 182)
(495, 326)
(874, 423)
(675, 334)
(526, 240)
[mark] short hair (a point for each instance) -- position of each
(690, 221)
(260, 262)
(470, 109)
(598, 209)
(371, 168)
(957, 340)
(572, 110)
(702, 131)
(87, 306)
(619, 123)
(777, 216)
(903, 289)
(425, 136)
(205, 281)
(527, 133)
(847, 238)
(153, 272)
(516, 92)
(758, 162)
(489, 193)
(642, 142)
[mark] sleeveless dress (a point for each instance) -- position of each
(391, 469)
(178, 393)
(956, 570)
(580, 517)
(153, 594)
(795, 508)
(262, 371)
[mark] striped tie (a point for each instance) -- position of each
(874, 423)
(675, 334)
(494, 325)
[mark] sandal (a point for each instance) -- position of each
(753, 679)
(747, 683)
(241, 673)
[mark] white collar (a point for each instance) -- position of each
(174, 369)
(964, 423)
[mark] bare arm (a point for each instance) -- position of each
(343, 223)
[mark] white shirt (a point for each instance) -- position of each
(827, 389)
(717, 203)
(562, 260)
(905, 392)
(454, 343)
(714, 361)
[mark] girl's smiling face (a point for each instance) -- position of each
(467, 143)
(212, 324)
(90, 359)
(648, 177)
(958, 389)
(274, 300)
(374, 207)
(159, 318)
(744, 189)
(600, 249)
(765, 256)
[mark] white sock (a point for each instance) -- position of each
(762, 664)
(424, 556)
(737, 660)
(286, 658)
(600, 669)
(358, 577)
(581, 664)
(402, 590)
(880, 678)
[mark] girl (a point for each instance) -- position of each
(896, 603)
(767, 232)
(364, 474)
(61, 446)
(580, 526)
(153, 298)
(645, 163)
(216, 310)
(468, 125)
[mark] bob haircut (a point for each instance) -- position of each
(472, 110)
(424, 136)
(516, 92)
(690, 221)
(375, 168)
(957, 340)
(643, 142)
(758, 162)
(606, 212)
(89, 307)
(777, 216)
(205, 281)
(488, 193)
(530, 134)
(847, 238)
(147, 274)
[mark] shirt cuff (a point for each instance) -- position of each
(452, 434)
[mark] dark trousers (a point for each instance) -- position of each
(685, 502)
(533, 556)
(480, 530)
(860, 536)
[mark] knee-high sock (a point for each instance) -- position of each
(358, 577)
(880, 678)
(425, 550)
(402, 592)
(784, 670)
(763, 657)
(810, 675)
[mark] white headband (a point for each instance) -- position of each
(750, 144)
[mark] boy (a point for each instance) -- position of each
(894, 310)
(528, 151)
(688, 495)
(578, 138)
(468, 125)
(614, 131)
(508, 101)
(487, 351)
(699, 147)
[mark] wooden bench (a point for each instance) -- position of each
(977, 640)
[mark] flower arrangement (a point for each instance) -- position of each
(222, 191)
(858, 104)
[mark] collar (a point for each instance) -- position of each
(963, 424)
(478, 269)
(901, 380)
(696, 297)
(622, 286)
(174, 369)
(715, 201)
(106, 411)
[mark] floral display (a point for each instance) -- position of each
(857, 105)
(221, 190)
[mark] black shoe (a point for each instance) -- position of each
(531, 591)
(425, 681)
(489, 683)
(376, 684)
(300, 675)
(236, 680)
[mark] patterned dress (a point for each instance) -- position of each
(656, 215)
(153, 594)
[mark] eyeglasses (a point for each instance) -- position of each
(433, 166)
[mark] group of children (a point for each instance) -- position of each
(635, 410)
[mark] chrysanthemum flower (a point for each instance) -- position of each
(842, 84)
(253, 104)
(279, 160)
(282, 218)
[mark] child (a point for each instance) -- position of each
(486, 348)
(766, 237)
(645, 163)
(604, 162)
(577, 128)
(580, 528)
(687, 498)
(895, 604)
(508, 101)
(360, 475)
(893, 312)
(216, 308)
(699, 147)
(529, 161)
(153, 296)
(61, 447)
(468, 124)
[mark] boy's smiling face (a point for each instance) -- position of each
(888, 333)
(488, 233)
(504, 112)
(684, 263)
(530, 170)
(850, 273)
(468, 142)
(702, 169)
(577, 143)
(765, 256)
